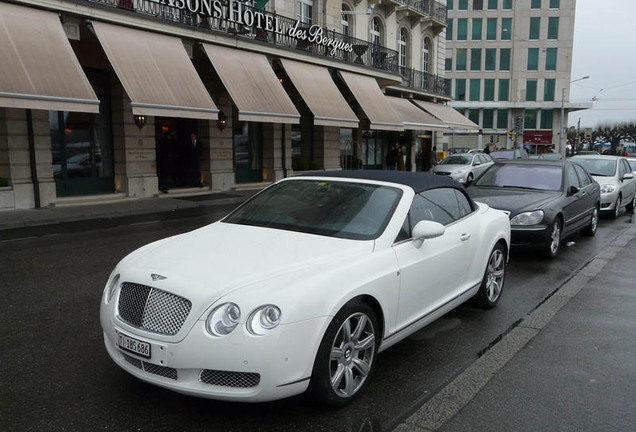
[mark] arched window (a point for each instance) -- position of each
(426, 52)
(305, 11)
(403, 47)
(376, 31)
(347, 18)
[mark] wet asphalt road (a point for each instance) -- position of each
(56, 375)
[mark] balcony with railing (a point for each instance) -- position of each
(357, 51)
(431, 9)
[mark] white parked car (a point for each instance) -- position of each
(615, 175)
(464, 167)
(303, 285)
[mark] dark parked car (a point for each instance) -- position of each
(509, 154)
(548, 200)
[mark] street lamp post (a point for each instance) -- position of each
(562, 148)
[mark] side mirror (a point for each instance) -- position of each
(427, 230)
(573, 190)
(628, 176)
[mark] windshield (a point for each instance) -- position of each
(457, 160)
(329, 208)
(539, 177)
(598, 167)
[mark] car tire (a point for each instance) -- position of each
(494, 278)
(590, 230)
(553, 245)
(617, 208)
(346, 356)
(469, 179)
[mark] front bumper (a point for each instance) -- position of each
(529, 236)
(608, 201)
(461, 178)
(238, 367)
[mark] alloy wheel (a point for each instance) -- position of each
(555, 238)
(352, 353)
(617, 207)
(495, 275)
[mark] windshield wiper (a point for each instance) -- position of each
(521, 187)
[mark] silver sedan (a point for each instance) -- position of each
(464, 167)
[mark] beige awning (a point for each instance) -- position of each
(156, 73)
(413, 117)
(319, 91)
(375, 106)
(38, 69)
(450, 116)
(252, 85)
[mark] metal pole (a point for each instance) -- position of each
(561, 147)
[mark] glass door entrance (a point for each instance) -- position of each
(248, 156)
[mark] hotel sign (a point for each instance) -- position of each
(236, 12)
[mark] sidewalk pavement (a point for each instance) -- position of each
(96, 210)
(570, 365)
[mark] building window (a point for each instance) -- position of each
(403, 47)
(462, 29)
(488, 120)
(504, 90)
(478, 4)
(554, 4)
(304, 11)
(346, 17)
(551, 59)
(548, 89)
(553, 28)
(473, 115)
(463, 5)
(449, 4)
(426, 52)
(492, 4)
(506, 28)
(475, 59)
(489, 89)
(502, 119)
(460, 89)
(449, 30)
(531, 90)
(491, 59)
(507, 4)
(533, 59)
(535, 28)
(535, 4)
(448, 64)
(376, 31)
(461, 59)
(530, 118)
(491, 29)
(477, 22)
(475, 89)
(504, 59)
(547, 118)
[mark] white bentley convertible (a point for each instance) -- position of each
(303, 285)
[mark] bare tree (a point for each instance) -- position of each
(614, 134)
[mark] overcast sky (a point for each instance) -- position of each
(604, 49)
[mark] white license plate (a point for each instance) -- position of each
(133, 345)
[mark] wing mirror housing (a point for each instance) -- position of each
(628, 176)
(427, 230)
(573, 190)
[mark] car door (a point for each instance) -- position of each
(438, 270)
(629, 185)
(574, 200)
(589, 192)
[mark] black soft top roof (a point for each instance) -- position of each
(418, 181)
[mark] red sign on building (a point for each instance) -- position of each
(537, 137)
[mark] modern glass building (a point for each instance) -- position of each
(509, 67)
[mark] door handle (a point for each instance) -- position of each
(464, 237)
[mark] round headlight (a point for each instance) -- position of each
(223, 319)
(263, 319)
(112, 287)
(527, 218)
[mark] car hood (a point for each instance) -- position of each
(512, 199)
(210, 262)
(450, 168)
(603, 180)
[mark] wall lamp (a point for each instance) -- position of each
(140, 121)
(222, 121)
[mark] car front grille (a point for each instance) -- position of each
(163, 371)
(152, 309)
(443, 173)
(230, 379)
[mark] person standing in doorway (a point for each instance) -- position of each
(194, 169)
(401, 160)
(433, 160)
(391, 158)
